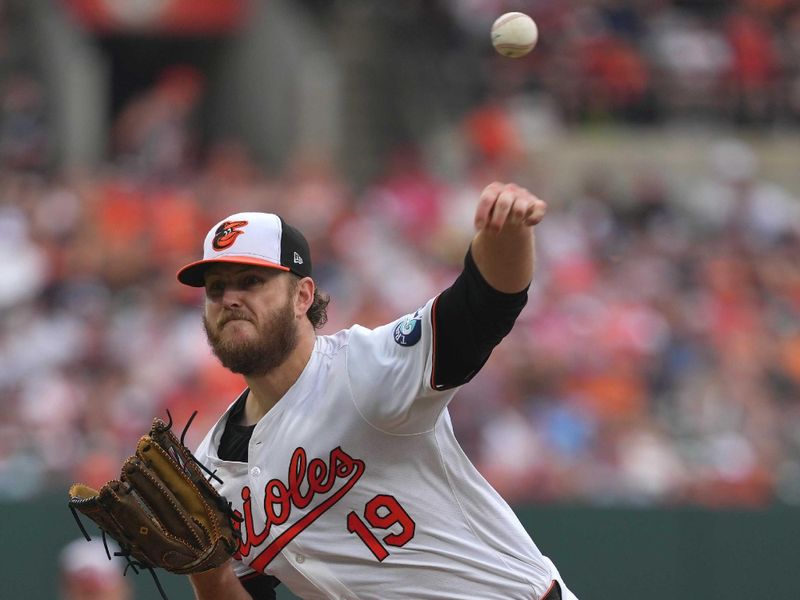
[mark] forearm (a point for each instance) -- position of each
(218, 584)
(505, 258)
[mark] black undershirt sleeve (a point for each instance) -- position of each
(233, 447)
(259, 586)
(469, 320)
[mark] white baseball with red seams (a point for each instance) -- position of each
(357, 467)
(514, 34)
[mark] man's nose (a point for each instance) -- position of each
(231, 298)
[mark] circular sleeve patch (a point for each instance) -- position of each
(409, 331)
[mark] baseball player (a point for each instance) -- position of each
(86, 573)
(339, 456)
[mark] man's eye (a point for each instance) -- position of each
(250, 281)
(214, 289)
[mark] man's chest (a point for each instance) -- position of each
(276, 505)
(355, 498)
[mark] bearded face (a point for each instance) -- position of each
(253, 353)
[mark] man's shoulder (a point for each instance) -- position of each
(345, 340)
(406, 330)
(333, 343)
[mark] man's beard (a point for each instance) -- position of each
(277, 337)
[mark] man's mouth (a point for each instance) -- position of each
(226, 321)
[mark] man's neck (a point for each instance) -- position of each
(267, 390)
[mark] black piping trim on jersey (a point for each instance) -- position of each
(433, 345)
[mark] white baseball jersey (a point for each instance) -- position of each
(356, 487)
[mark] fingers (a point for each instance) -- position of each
(501, 205)
(483, 212)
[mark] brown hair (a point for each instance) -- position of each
(317, 313)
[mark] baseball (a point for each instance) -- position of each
(514, 34)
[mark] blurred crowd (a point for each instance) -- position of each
(649, 60)
(657, 360)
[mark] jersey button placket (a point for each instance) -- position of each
(255, 472)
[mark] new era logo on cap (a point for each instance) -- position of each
(251, 238)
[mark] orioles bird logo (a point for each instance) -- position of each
(227, 233)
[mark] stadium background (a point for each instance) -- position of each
(643, 417)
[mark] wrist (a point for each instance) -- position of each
(220, 582)
(505, 259)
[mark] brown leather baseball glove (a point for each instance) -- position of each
(162, 511)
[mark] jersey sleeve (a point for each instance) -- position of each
(404, 373)
(389, 369)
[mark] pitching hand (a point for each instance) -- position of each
(505, 205)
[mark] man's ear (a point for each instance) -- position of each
(304, 297)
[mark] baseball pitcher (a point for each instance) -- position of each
(339, 458)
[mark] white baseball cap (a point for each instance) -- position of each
(251, 238)
(80, 556)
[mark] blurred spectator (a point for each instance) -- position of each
(790, 45)
(692, 57)
(87, 572)
(155, 130)
(755, 66)
(735, 197)
(492, 135)
(24, 276)
(616, 78)
(23, 130)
